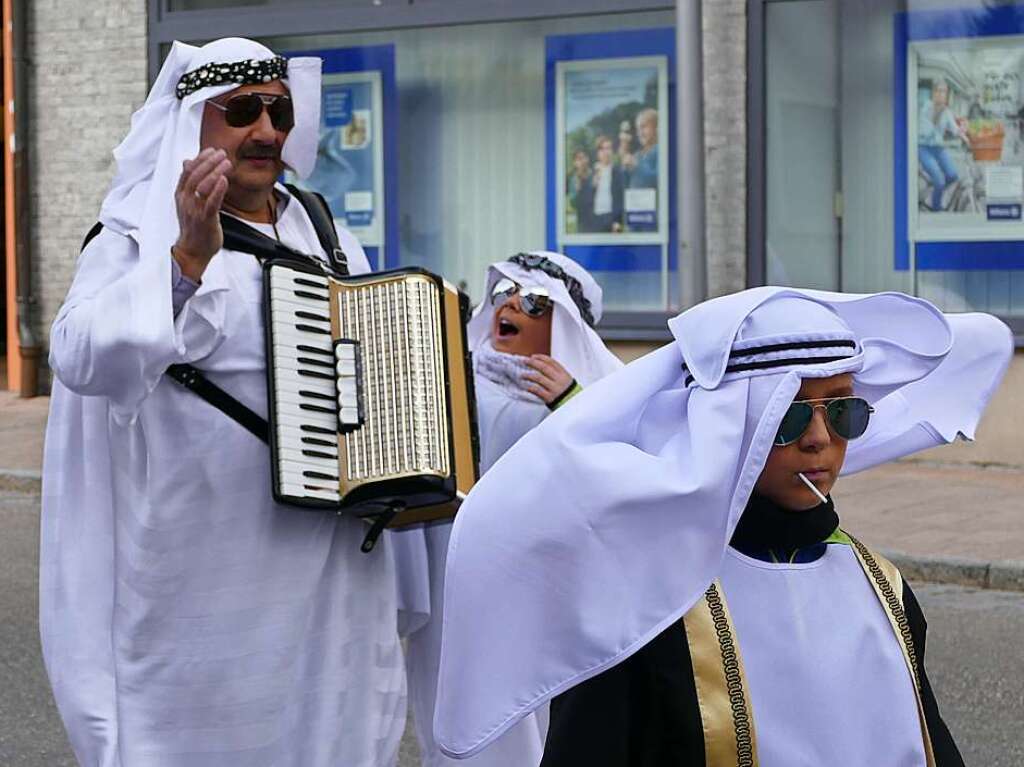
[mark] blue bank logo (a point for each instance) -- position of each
(1004, 212)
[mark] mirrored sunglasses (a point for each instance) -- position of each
(533, 299)
(847, 418)
(246, 108)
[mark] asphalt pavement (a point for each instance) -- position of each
(974, 659)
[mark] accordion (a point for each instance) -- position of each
(371, 399)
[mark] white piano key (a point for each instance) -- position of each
(293, 416)
(300, 462)
(282, 334)
(294, 316)
(292, 277)
(301, 296)
(292, 380)
(300, 491)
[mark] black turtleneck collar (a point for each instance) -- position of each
(766, 527)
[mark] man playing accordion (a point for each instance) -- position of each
(188, 619)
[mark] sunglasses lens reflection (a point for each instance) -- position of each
(246, 109)
(794, 423)
(849, 417)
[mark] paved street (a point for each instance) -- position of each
(974, 659)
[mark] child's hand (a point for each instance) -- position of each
(550, 379)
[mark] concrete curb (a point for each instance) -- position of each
(1001, 575)
(21, 481)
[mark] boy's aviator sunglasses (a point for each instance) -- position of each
(246, 108)
(534, 300)
(847, 418)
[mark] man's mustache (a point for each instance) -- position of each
(260, 152)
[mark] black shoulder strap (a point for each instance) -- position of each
(92, 235)
(239, 236)
(196, 382)
(319, 213)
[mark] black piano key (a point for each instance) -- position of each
(315, 374)
(318, 363)
(311, 329)
(316, 395)
(318, 409)
(309, 283)
(312, 316)
(318, 475)
(311, 296)
(318, 454)
(316, 429)
(315, 441)
(314, 350)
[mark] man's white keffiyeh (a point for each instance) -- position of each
(603, 525)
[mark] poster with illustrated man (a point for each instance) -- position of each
(611, 157)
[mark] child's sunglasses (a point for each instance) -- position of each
(246, 108)
(534, 300)
(847, 418)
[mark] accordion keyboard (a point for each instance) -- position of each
(305, 396)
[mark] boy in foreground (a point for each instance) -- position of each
(686, 594)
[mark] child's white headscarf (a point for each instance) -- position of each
(604, 525)
(574, 342)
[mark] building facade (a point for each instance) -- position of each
(680, 150)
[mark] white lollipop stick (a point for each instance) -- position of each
(814, 490)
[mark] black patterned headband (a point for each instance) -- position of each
(247, 72)
(550, 268)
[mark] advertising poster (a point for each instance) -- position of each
(349, 166)
(611, 158)
(966, 150)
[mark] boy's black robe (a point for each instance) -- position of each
(643, 712)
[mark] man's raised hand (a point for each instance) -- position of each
(198, 197)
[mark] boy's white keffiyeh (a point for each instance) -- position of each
(574, 343)
(635, 490)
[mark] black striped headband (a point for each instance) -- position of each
(247, 72)
(740, 359)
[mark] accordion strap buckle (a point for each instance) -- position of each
(379, 523)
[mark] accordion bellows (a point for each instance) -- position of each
(371, 392)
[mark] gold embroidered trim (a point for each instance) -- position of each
(726, 716)
(876, 567)
(894, 605)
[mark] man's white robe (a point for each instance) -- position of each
(187, 619)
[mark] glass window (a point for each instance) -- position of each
(895, 157)
(471, 171)
(211, 5)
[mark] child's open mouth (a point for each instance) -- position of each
(506, 328)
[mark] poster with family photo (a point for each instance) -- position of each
(611, 134)
(966, 161)
(349, 164)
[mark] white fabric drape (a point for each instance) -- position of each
(604, 524)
